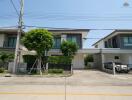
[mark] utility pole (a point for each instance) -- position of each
(20, 26)
(65, 88)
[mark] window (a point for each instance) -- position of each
(109, 43)
(106, 44)
(117, 57)
(96, 46)
(57, 42)
(11, 42)
(127, 41)
(76, 38)
(72, 39)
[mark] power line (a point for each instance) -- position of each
(65, 28)
(14, 7)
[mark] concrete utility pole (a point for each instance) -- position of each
(20, 25)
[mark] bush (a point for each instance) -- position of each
(88, 58)
(60, 60)
(69, 48)
(1, 70)
(55, 71)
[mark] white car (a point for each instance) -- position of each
(121, 67)
(118, 67)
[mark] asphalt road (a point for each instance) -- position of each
(85, 85)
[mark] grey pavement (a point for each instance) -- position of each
(85, 85)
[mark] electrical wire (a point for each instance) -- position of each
(55, 28)
(14, 7)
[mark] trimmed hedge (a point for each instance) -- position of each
(55, 71)
(54, 62)
(60, 60)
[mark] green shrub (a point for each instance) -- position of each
(55, 71)
(60, 59)
(88, 58)
(1, 70)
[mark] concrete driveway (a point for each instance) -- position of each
(85, 85)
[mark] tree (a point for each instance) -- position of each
(69, 48)
(5, 58)
(39, 40)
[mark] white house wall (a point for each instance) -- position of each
(78, 61)
(2, 36)
(126, 58)
(111, 58)
(101, 44)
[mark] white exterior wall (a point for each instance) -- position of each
(78, 61)
(101, 44)
(2, 37)
(126, 58)
(123, 58)
(63, 38)
(111, 58)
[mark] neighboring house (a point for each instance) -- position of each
(74, 35)
(116, 47)
(8, 40)
(8, 43)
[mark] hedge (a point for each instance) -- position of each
(55, 62)
(59, 59)
(55, 71)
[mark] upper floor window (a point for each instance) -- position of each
(127, 41)
(10, 42)
(106, 44)
(76, 38)
(57, 42)
(72, 39)
(96, 46)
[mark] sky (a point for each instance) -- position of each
(86, 14)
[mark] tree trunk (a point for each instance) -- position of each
(39, 66)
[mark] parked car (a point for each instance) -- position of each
(119, 67)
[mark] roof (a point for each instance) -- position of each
(9, 30)
(67, 29)
(112, 34)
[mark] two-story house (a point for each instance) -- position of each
(116, 47)
(74, 35)
(8, 40)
